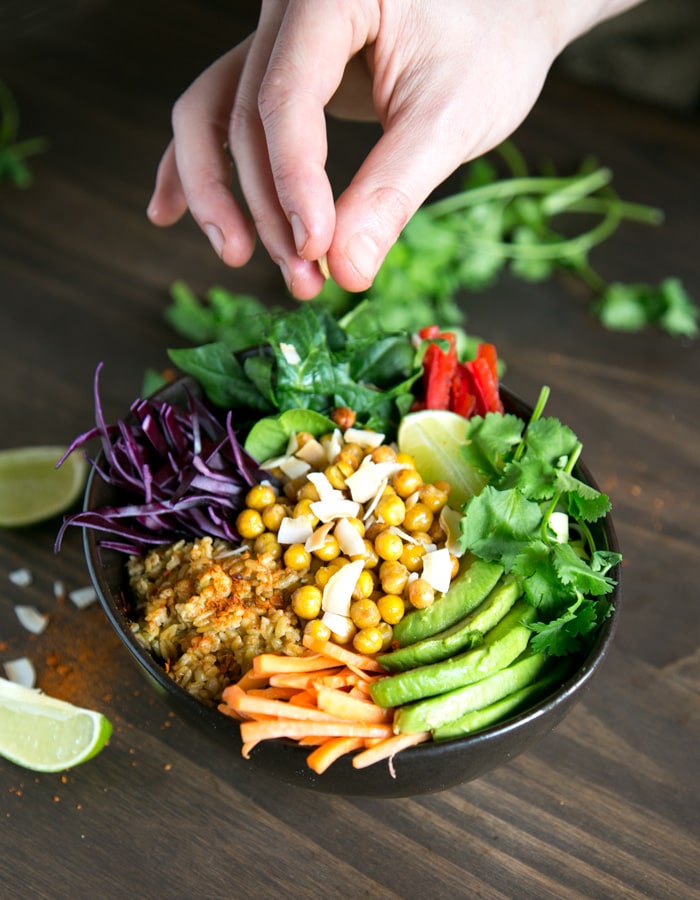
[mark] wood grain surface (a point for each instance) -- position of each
(607, 806)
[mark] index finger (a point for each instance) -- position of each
(305, 69)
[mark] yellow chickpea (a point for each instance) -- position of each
(267, 544)
(260, 496)
(433, 497)
(407, 482)
(391, 608)
(420, 593)
(249, 523)
(437, 532)
(308, 492)
(335, 476)
(383, 453)
(306, 601)
(303, 508)
(387, 634)
(368, 640)
(357, 524)
(364, 586)
(418, 518)
(317, 629)
(329, 550)
(388, 545)
(412, 557)
(297, 557)
(369, 557)
(272, 516)
(391, 509)
(365, 613)
(393, 576)
(405, 459)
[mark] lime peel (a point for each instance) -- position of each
(44, 734)
(32, 489)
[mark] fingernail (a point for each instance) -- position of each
(216, 238)
(299, 232)
(284, 269)
(363, 253)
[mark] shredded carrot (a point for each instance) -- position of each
(327, 753)
(321, 700)
(388, 748)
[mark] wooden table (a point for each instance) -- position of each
(605, 806)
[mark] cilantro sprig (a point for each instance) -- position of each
(530, 470)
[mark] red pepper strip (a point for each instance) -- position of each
(488, 352)
(462, 400)
(439, 367)
(485, 386)
(430, 331)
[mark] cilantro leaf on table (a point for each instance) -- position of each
(13, 153)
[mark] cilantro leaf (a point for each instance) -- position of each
(489, 441)
(578, 573)
(542, 586)
(548, 440)
(498, 525)
(583, 501)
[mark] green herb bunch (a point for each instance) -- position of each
(530, 472)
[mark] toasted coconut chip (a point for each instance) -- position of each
(437, 569)
(318, 538)
(349, 539)
(450, 523)
(325, 489)
(325, 510)
(21, 671)
(83, 597)
(21, 577)
(31, 619)
(313, 453)
(337, 594)
(295, 530)
(364, 437)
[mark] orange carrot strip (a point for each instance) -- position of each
(300, 680)
(331, 681)
(304, 698)
(274, 663)
(272, 692)
(234, 714)
(386, 749)
(335, 651)
(325, 755)
(261, 731)
(246, 704)
(313, 740)
(343, 706)
(249, 679)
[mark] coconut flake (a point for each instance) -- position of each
(437, 569)
(349, 539)
(337, 594)
(332, 444)
(318, 538)
(293, 467)
(369, 480)
(313, 453)
(325, 489)
(450, 520)
(31, 619)
(341, 627)
(21, 577)
(83, 597)
(295, 530)
(364, 437)
(59, 590)
(559, 523)
(21, 671)
(325, 510)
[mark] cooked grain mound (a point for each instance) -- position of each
(206, 609)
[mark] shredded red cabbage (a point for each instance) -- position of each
(181, 470)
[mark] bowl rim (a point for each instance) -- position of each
(115, 609)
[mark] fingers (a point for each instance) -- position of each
(195, 171)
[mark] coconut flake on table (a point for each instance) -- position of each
(59, 590)
(21, 671)
(83, 597)
(437, 569)
(21, 577)
(31, 619)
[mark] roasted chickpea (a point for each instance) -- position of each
(437, 532)
(297, 557)
(406, 460)
(317, 629)
(412, 557)
(357, 524)
(388, 545)
(391, 509)
(267, 544)
(260, 496)
(368, 640)
(387, 633)
(308, 492)
(383, 453)
(364, 586)
(365, 613)
(306, 601)
(406, 482)
(303, 508)
(418, 518)
(352, 454)
(433, 497)
(329, 550)
(393, 576)
(344, 417)
(336, 477)
(249, 523)
(391, 608)
(420, 593)
(322, 575)
(369, 557)
(272, 516)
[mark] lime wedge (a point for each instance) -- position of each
(433, 437)
(45, 734)
(32, 489)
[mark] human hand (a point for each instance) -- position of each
(448, 81)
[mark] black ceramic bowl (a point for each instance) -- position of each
(426, 768)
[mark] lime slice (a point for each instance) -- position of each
(45, 734)
(32, 489)
(433, 437)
